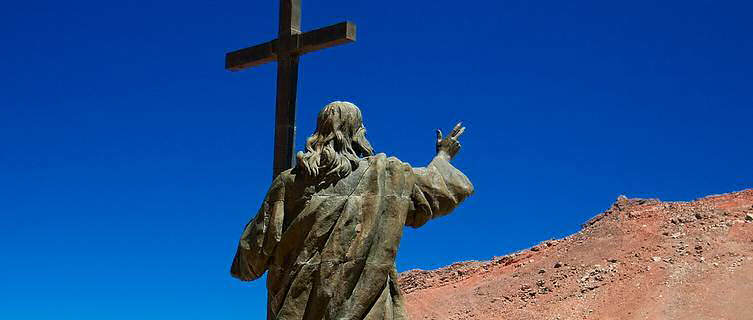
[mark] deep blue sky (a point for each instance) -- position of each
(130, 160)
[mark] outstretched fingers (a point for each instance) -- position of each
(456, 129)
(457, 135)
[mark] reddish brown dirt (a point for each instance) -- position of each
(641, 259)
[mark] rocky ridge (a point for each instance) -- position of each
(640, 259)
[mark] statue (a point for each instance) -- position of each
(328, 230)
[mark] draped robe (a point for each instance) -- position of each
(329, 247)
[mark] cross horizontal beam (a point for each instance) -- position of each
(344, 32)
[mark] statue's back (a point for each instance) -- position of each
(339, 242)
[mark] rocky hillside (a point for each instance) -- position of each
(640, 259)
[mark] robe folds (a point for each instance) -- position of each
(329, 248)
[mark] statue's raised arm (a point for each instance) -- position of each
(439, 187)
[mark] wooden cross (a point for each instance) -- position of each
(286, 49)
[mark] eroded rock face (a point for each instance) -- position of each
(640, 259)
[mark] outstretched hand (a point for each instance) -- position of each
(449, 146)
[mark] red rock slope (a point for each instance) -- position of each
(641, 259)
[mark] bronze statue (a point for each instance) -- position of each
(329, 228)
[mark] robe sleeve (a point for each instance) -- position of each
(437, 190)
(261, 235)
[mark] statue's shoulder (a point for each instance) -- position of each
(277, 189)
(383, 160)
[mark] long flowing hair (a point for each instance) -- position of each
(338, 143)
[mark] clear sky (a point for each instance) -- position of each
(130, 160)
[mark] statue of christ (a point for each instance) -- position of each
(328, 230)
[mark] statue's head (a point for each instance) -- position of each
(338, 143)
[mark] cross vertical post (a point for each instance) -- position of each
(286, 50)
(287, 86)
